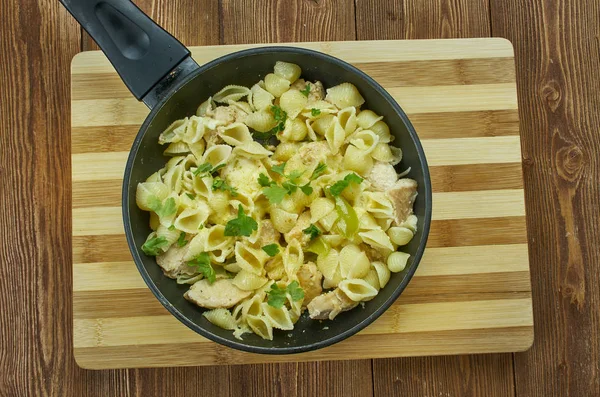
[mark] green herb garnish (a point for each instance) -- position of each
(277, 296)
(271, 249)
(202, 262)
(306, 189)
(221, 184)
(153, 246)
(181, 241)
(318, 171)
(162, 210)
(243, 225)
(306, 90)
(275, 194)
(315, 112)
(339, 186)
(264, 180)
(172, 227)
(312, 231)
(278, 169)
(207, 169)
(191, 196)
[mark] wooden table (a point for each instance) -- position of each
(558, 61)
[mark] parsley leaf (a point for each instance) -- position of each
(313, 231)
(275, 194)
(318, 171)
(278, 169)
(307, 189)
(306, 90)
(203, 168)
(271, 249)
(202, 262)
(243, 225)
(289, 187)
(292, 176)
(339, 186)
(153, 246)
(280, 117)
(217, 168)
(315, 112)
(181, 241)
(264, 180)
(162, 210)
(191, 196)
(277, 296)
(221, 184)
(172, 227)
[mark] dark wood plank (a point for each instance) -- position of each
(478, 375)
(558, 61)
(419, 19)
(489, 375)
(273, 21)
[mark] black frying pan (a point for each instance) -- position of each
(159, 71)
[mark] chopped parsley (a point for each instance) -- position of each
(191, 196)
(277, 296)
(264, 180)
(207, 169)
(221, 184)
(280, 117)
(202, 262)
(315, 112)
(181, 241)
(312, 231)
(278, 169)
(275, 194)
(306, 90)
(318, 171)
(294, 175)
(271, 249)
(243, 225)
(306, 189)
(162, 210)
(172, 227)
(339, 186)
(154, 246)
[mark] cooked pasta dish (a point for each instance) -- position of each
(277, 199)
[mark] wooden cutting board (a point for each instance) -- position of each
(471, 292)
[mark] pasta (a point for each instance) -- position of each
(274, 194)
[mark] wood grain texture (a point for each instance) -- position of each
(558, 62)
(469, 257)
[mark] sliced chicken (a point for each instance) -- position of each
(310, 279)
(316, 93)
(329, 305)
(297, 233)
(373, 254)
(172, 262)
(314, 153)
(229, 114)
(383, 176)
(267, 233)
(403, 195)
(221, 293)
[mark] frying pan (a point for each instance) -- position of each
(159, 71)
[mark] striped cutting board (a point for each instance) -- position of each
(471, 293)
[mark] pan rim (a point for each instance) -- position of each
(288, 349)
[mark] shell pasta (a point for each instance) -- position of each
(279, 199)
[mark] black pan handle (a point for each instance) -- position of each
(148, 59)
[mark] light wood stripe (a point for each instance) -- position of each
(389, 74)
(141, 302)
(442, 316)
(433, 99)
(436, 262)
(447, 205)
(457, 178)
(412, 344)
(447, 233)
(428, 126)
(439, 152)
(350, 51)
(501, 149)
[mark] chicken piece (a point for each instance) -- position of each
(316, 93)
(311, 154)
(220, 294)
(373, 254)
(403, 195)
(329, 305)
(383, 176)
(297, 231)
(172, 262)
(310, 280)
(229, 114)
(267, 233)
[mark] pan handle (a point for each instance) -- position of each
(149, 60)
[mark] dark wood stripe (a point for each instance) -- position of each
(103, 138)
(444, 233)
(389, 74)
(478, 231)
(141, 302)
(441, 72)
(359, 346)
(466, 124)
(472, 177)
